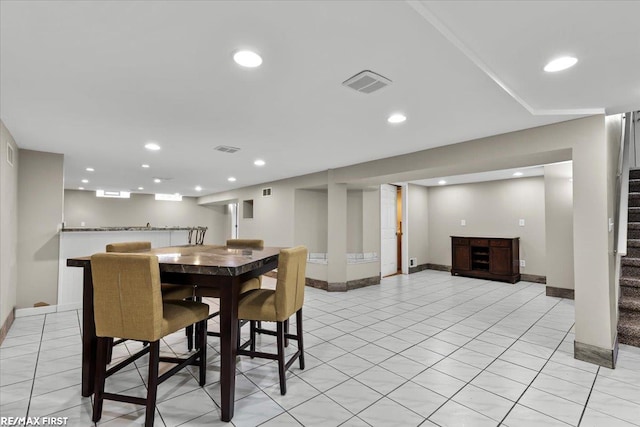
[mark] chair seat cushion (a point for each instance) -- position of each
(175, 292)
(259, 304)
(215, 292)
(180, 314)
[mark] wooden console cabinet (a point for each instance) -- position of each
(486, 258)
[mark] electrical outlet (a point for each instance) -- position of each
(521, 223)
(463, 222)
(413, 262)
(522, 263)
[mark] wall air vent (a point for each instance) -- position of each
(227, 149)
(367, 82)
(266, 192)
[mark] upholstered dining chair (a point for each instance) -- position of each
(128, 304)
(202, 292)
(267, 305)
(169, 291)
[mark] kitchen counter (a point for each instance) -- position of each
(132, 228)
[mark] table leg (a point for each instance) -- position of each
(89, 340)
(228, 346)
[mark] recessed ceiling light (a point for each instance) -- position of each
(140, 188)
(259, 162)
(85, 181)
(152, 146)
(231, 179)
(198, 188)
(80, 188)
(560, 64)
(517, 174)
(90, 169)
(157, 180)
(145, 166)
(442, 182)
(247, 58)
(397, 118)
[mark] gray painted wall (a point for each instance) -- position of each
(558, 204)
(40, 203)
(490, 209)
(418, 223)
(8, 225)
(84, 206)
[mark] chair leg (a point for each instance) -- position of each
(286, 331)
(299, 333)
(152, 387)
(252, 335)
(201, 328)
(281, 361)
(189, 333)
(109, 350)
(104, 344)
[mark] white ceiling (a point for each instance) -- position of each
(97, 80)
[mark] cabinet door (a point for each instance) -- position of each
(500, 260)
(461, 257)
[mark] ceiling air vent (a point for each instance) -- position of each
(227, 149)
(266, 192)
(367, 82)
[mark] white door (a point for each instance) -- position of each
(388, 221)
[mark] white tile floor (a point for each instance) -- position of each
(426, 349)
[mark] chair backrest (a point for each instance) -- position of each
(292, 266)
(128, 246)
(126, 296)
(245, 243)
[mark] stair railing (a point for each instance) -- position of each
(622, 184)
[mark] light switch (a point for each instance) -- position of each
(521, 222)
(463, 222)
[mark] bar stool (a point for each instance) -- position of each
(169, 291)
(267, 305)
(128, 304)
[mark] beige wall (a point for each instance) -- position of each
(274, 217)
(40, 204)
(311, 220)
(8, 225)
(418, 223)
(84, 206)
(490, 209)
(558, 202)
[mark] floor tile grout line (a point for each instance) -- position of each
(35, 369)
(593, 384)
(534, 379)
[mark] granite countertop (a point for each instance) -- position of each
(132, 228)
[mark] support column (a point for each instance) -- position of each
(336, 235)
(595, 305)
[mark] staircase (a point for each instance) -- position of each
(629, 303)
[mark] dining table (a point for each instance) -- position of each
(211, 266)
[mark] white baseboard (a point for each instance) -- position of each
(36, 311)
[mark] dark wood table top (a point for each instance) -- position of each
(203, 259)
